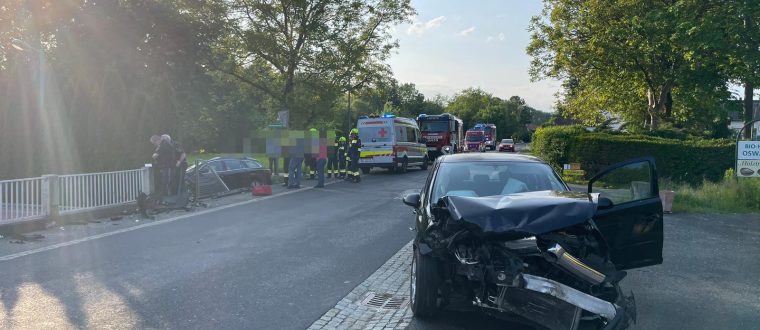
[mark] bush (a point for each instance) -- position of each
(552, 143)
(689, 161)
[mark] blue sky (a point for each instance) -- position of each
(456, 44)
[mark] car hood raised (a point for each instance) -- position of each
(523, 214)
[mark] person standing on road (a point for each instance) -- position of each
(321, 161)
(296, 162)
(165, 159)
(180, 164)
(332, 158)
(354, 151)
(312, 148)
(341, 154)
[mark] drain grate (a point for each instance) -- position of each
(384, 301)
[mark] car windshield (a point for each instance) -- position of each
(477, 179)
(507, 141)
(434, 126)
(474, 137)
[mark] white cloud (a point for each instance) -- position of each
(467, 31)
(502, 37)
(419, 27)
(489, 39)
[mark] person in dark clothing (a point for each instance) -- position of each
(341, 153)
(321, 161)
(354, 151)
(165, 157)
(295, 171)
(332, 159)
(179, 167)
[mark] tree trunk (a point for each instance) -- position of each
(749, 89)
(669, 105)
(652, 108)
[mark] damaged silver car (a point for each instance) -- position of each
(504, 234)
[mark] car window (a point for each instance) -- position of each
(493, 178)
(232, 164)
(252, 164)
(506, 141)
(216, 165)
(411, 134)
(435, 126)
(626, 184)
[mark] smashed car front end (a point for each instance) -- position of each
(534, 255)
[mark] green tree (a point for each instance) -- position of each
(636, 59)
(342, 44)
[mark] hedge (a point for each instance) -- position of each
(690, 161)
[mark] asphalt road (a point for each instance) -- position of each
(281, 263)
(277, 264)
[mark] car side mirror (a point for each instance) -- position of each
(412, 200)
(604, 203)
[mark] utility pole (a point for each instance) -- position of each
(348, 110)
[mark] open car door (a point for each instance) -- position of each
(630, 212)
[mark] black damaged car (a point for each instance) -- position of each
(220, 175)
(504, 234)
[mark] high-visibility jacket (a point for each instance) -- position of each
(354, 148)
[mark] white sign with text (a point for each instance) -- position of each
(748, 159)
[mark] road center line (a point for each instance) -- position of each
(147, 224)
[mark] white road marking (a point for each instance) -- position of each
(147, 224)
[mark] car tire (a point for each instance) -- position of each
(366, 170)
(423, 285)
(424, 165)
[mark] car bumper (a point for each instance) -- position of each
(603, 308)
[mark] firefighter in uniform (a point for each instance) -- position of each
(354, 151)
(341, 154)
(332, 159)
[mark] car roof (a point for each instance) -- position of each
(231, 157)
(489, 157)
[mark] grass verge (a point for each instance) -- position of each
(727, 196)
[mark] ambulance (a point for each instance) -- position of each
(391, 142)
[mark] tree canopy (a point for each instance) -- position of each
(649, 62)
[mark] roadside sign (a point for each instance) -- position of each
(748, 159)
(572, 166)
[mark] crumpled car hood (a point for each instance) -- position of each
(524, 214)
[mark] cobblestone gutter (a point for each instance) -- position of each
(391, 278)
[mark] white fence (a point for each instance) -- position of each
(24, 199)
(37, 198)
(82, 192)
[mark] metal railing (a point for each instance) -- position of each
(24, 199)
(82, 192)
(51, 195)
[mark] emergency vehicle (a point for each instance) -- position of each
(443, 133)
(391, 142)
(490, 134)
(475, 140)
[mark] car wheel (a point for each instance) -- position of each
(366, 170)
(424, 163)
(423, 286)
